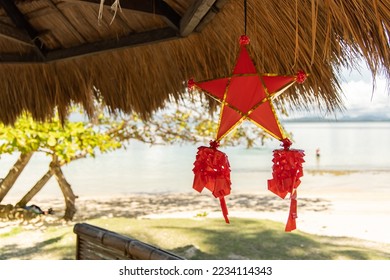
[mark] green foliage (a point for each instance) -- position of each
(67, 141)
(191, 122)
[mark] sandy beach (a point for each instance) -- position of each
(341, 205)
(350, 214)
(358, 215)
(346, 205)
(333, 211)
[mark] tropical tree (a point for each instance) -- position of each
(62, 142)
(67, 141)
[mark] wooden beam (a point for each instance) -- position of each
(21, 23)
(194, 15)
(14, 34)
(155, 7)
(211, 14)
(20, 59)
(132, 40)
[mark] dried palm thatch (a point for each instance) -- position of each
(320, 37)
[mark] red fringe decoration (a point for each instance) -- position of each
(287, 170)
(212, 171)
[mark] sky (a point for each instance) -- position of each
(359, 99)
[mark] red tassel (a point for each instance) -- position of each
(212, 171)
(224, 209)
(292, 216)
(287, 170)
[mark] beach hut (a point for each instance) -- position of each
(139, 54)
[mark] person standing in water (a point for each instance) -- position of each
(318, 155)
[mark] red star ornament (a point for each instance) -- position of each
(246, 94)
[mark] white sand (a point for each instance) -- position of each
(355, 205)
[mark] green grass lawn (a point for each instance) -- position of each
(201, 238)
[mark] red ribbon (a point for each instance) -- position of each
(292, 216)
(287, 170)
(212, 171)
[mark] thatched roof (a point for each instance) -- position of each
(52, 52)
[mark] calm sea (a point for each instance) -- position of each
(362, 147)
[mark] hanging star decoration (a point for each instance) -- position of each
(245, 95)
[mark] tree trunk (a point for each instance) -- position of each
(41, 183)
(35, 189)
(9, 180)
(70, 197)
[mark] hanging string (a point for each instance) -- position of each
(296, 34)
(100, 14)
(244, 17)
(114, 7)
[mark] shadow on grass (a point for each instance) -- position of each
(15, 251)
(206, 239)
(250, 239)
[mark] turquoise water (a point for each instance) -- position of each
(151, 169)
